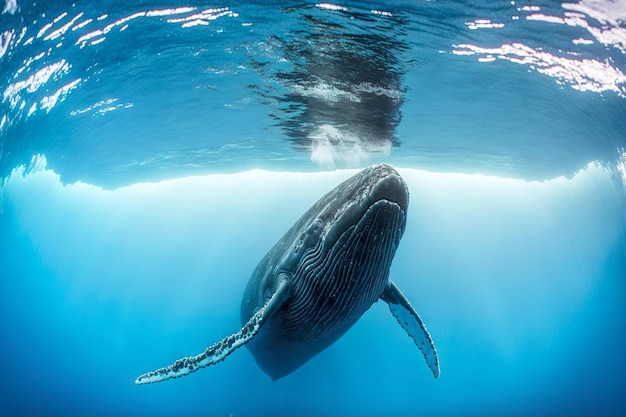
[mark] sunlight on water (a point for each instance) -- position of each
(566, 68)
(581, 74)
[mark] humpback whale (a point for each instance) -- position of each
(319, 279)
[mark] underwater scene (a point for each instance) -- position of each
(168, 174)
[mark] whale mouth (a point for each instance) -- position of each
(386, 189)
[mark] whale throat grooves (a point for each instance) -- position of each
(335, 288)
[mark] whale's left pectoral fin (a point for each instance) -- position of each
(410, 321)
(220, 350)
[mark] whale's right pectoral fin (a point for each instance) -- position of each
(220, 350)
(410, 321)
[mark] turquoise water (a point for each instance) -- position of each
(152, 153)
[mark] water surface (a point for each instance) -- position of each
(151, 153)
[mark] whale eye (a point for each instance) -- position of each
(298, 246)
(317, 226)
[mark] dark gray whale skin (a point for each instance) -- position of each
(319, 279)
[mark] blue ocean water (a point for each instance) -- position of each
(152, 152)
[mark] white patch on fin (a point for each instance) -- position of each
(220, 350)
(410, 321)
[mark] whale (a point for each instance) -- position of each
(316, 282)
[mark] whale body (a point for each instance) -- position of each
(319, 279)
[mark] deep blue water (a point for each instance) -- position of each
(151, 153)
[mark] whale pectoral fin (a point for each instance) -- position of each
(220, 350)
(410, 321)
